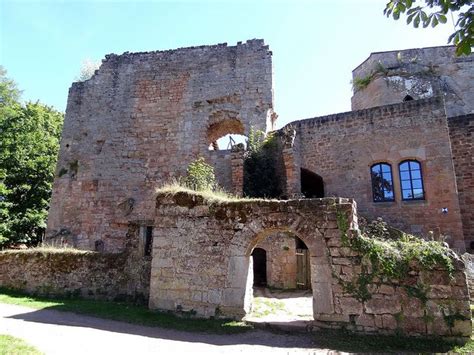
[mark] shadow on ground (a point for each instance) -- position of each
(336, 341)
(252, 337)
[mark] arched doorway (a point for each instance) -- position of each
(281, 279)
(312, 185)
(259, 258)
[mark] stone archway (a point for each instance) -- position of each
(201, 265)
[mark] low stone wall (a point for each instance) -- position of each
(469, 262)
(202, 265)
(67, 272)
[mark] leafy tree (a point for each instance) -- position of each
(29, 143)
(463, 37)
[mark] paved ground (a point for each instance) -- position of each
(279, 306)
(55, 332)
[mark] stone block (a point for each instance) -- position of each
(350, 305)
(462, 327)
(322, 298)
(234, 297)
(365, 320)
(383, 305)
(389, 321)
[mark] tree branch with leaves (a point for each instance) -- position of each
(434, 12)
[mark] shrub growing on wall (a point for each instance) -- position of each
(260, 176)
(200, 176)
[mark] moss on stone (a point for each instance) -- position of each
(391, 259)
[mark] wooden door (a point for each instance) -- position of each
(303, 270)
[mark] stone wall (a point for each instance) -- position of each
(469, 263)
(221, 160)
(64, 272)
(341, 148)
(281, 260)
(461, 132)
(139, 121)
(420, 73)
(202, 265)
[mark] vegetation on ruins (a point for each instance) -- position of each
(390, 256)
(200, 176)
(260, 166)
(29, 144)
(363, 82)
(434, 12)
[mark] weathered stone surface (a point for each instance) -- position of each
(383, 305)
(346, 149)
(349, 305)
(124, 276)
(140, 120)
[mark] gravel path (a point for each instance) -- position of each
(55, 332)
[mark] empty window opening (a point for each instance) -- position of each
(228, 141)
(148, 241)
(259, 257)
(411, 180)
(408, 98)
(221, 133)
(312, 185)
(382, 182)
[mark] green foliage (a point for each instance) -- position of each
(29, 144)
(260, 166)
(462, 38)
(391, 259)
(362, 83)
(10, 345)
(344, 341)
(200, 176)
(419, 291)
(452, 318)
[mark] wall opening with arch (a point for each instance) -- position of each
(281, 280)
(312, 184)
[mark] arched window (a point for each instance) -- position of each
(411, 180)
(382, 182)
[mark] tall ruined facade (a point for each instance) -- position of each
(404, 153)
(138, 123)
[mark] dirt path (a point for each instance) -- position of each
(55, 332)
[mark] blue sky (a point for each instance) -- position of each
(315, 44)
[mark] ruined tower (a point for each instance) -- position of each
(139, 121)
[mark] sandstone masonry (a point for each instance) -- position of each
(139, 121)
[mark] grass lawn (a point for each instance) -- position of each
(125, 313)
(12, 346)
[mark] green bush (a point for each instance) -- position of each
(200, 176)
(260, 176)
